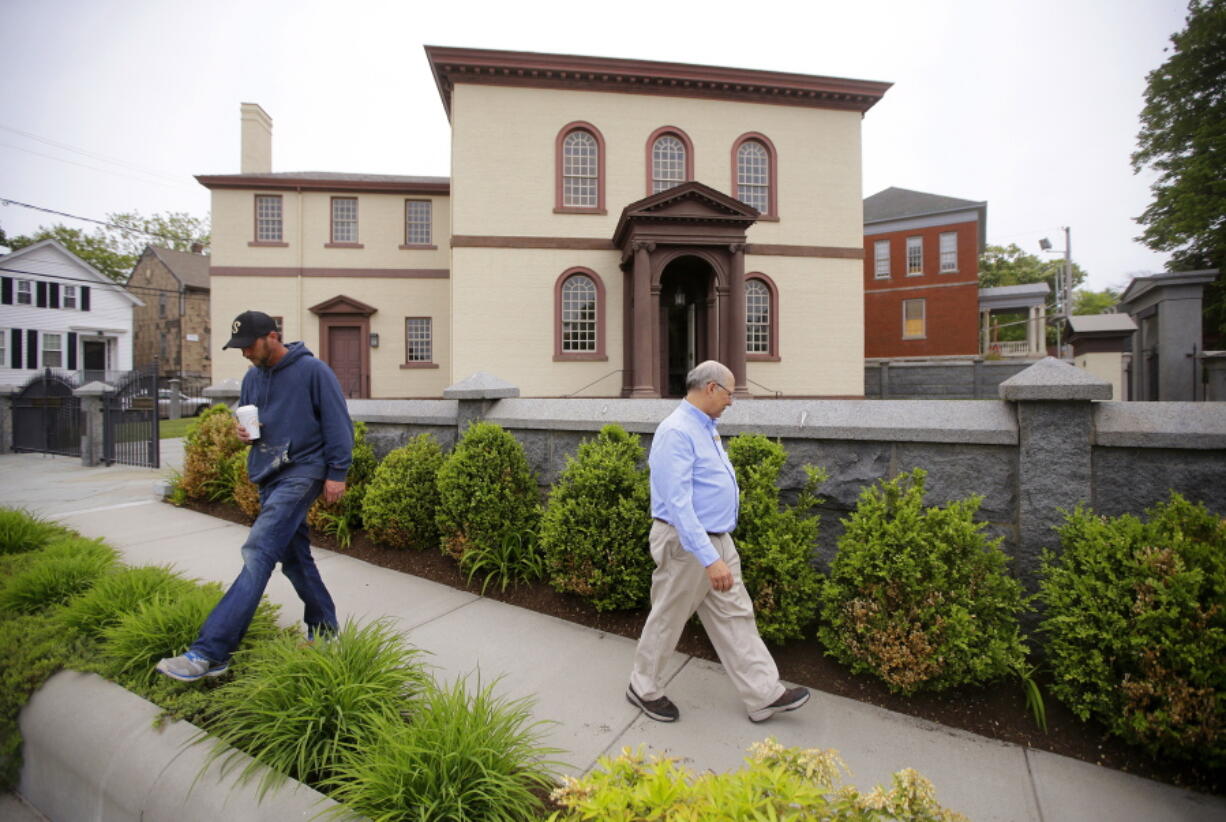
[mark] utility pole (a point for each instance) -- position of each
(1064, 288)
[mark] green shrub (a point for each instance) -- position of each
(776, 543)
(460, 756)
(22, 531)
(297, 706)
(116, 595)
(594, 534)
(1135, 626)
(488, 501)
(920, 597)
(776, 783)
(341, 518)
(245, 493)
(401, 501)
(166, 627)
(32, 649)
(59, 572)
(206, 449)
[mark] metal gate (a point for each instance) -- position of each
(130, 420)
(47, 417)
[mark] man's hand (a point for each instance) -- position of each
(720, 575)
(333, 490)
(242, 434)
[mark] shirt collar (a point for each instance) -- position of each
(699, 414)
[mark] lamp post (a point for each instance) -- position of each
(1064, 285)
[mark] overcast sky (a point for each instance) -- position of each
(114, 105)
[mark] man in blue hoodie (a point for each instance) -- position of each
(304, 446)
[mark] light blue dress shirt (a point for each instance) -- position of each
(693, 484)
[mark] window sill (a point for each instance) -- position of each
(417, 247)
(762, 358)
(408, 365)
(950, 271)
(343, 245)
(266, 244)
(594, 356)
(921, 337)
(915, 274)
(768, 218)
(577, 210)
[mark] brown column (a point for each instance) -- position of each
(735, 330)
(644, 324)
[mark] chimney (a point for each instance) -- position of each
(257, 140)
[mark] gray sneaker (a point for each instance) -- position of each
(190, 666)
(792, 699)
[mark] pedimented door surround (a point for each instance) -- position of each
(343, 312)
(688, 220)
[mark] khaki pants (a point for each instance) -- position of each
(679, 587)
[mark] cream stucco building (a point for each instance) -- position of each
(607, 224)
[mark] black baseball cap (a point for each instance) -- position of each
(249, 327)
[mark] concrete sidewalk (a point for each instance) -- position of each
(577, 676)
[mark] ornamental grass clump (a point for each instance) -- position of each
(776, 783)
(461, 754)
(1135, 626)
(343, 517)
(775, 542)
(919, 596)
(488, 505)
(57, 573)
(118, 594)
(594, 533)
(298, 707)
(206, 450)
(401, 501)
(22, 531)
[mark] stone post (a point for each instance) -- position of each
(91, 395)
(645, 321)
(1053, 402)
(7, 393)
(735, 329)
(475, 396)
(226, 391)
(173, 411)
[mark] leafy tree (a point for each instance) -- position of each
(1009, 265)
(1094, 302)
(115, 248)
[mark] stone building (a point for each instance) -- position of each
(173, 324)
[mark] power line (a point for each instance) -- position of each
(90, 154)
(129, 229)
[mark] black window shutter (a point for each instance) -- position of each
(85, 298)
(31, 348)
(15, 336)
(6, 290)
(72, 351)
(41, 294)
(53, 295)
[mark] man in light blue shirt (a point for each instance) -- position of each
(694, 504)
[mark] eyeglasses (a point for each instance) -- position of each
(720, 385)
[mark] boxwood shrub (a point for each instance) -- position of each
(343, 517)
(402, 500)
(775, 542)
(1135, 626)
(595, 527)
(919, 596)
(206, 449)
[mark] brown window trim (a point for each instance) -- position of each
(266, 244)
(772, 205)
(408, 365)
(599, 355)
(332, 227)
(689, 152)
(406, 244)
(772, 291)
(255, 222)
(423, 247)
(559, 165)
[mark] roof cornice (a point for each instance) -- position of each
(289, 183)
(520, 68)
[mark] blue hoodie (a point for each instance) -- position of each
(305, 428)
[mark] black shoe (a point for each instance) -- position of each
(661, 710)
(792, 699)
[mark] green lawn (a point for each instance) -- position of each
(175, 428)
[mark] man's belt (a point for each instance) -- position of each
(666, 522)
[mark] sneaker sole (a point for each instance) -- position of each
(781, 709)
(634, 700)
(210, 672)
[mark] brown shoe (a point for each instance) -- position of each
(661, 710)
(792, 699)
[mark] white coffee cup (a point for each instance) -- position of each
(249, 418)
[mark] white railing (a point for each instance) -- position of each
(1009, 348)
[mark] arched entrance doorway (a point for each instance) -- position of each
(687, 300)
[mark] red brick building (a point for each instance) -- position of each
(921, 274)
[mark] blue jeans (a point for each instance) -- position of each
(280, 534)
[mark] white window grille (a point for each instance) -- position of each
(949, 251)
(753, 175)
(53, 350)
(417, 222)
(881, 259)
(915, 256)
(667, 163)
(418, 339)
(578, 315)
(580, 170)
(268, 218)
(757, 318)
(344, 219)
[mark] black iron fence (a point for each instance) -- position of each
(46, 415)
(130, 416)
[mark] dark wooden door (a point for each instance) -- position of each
(345, 357)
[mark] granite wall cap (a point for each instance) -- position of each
(480, 386)
(92, 389)
(1184, 425)
(225, 388)
(1051, 379)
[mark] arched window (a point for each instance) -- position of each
(579, 316)
(670, 159)
(754, 173)
(580, 169)
(761, 319)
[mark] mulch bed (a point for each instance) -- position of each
(997, 711)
